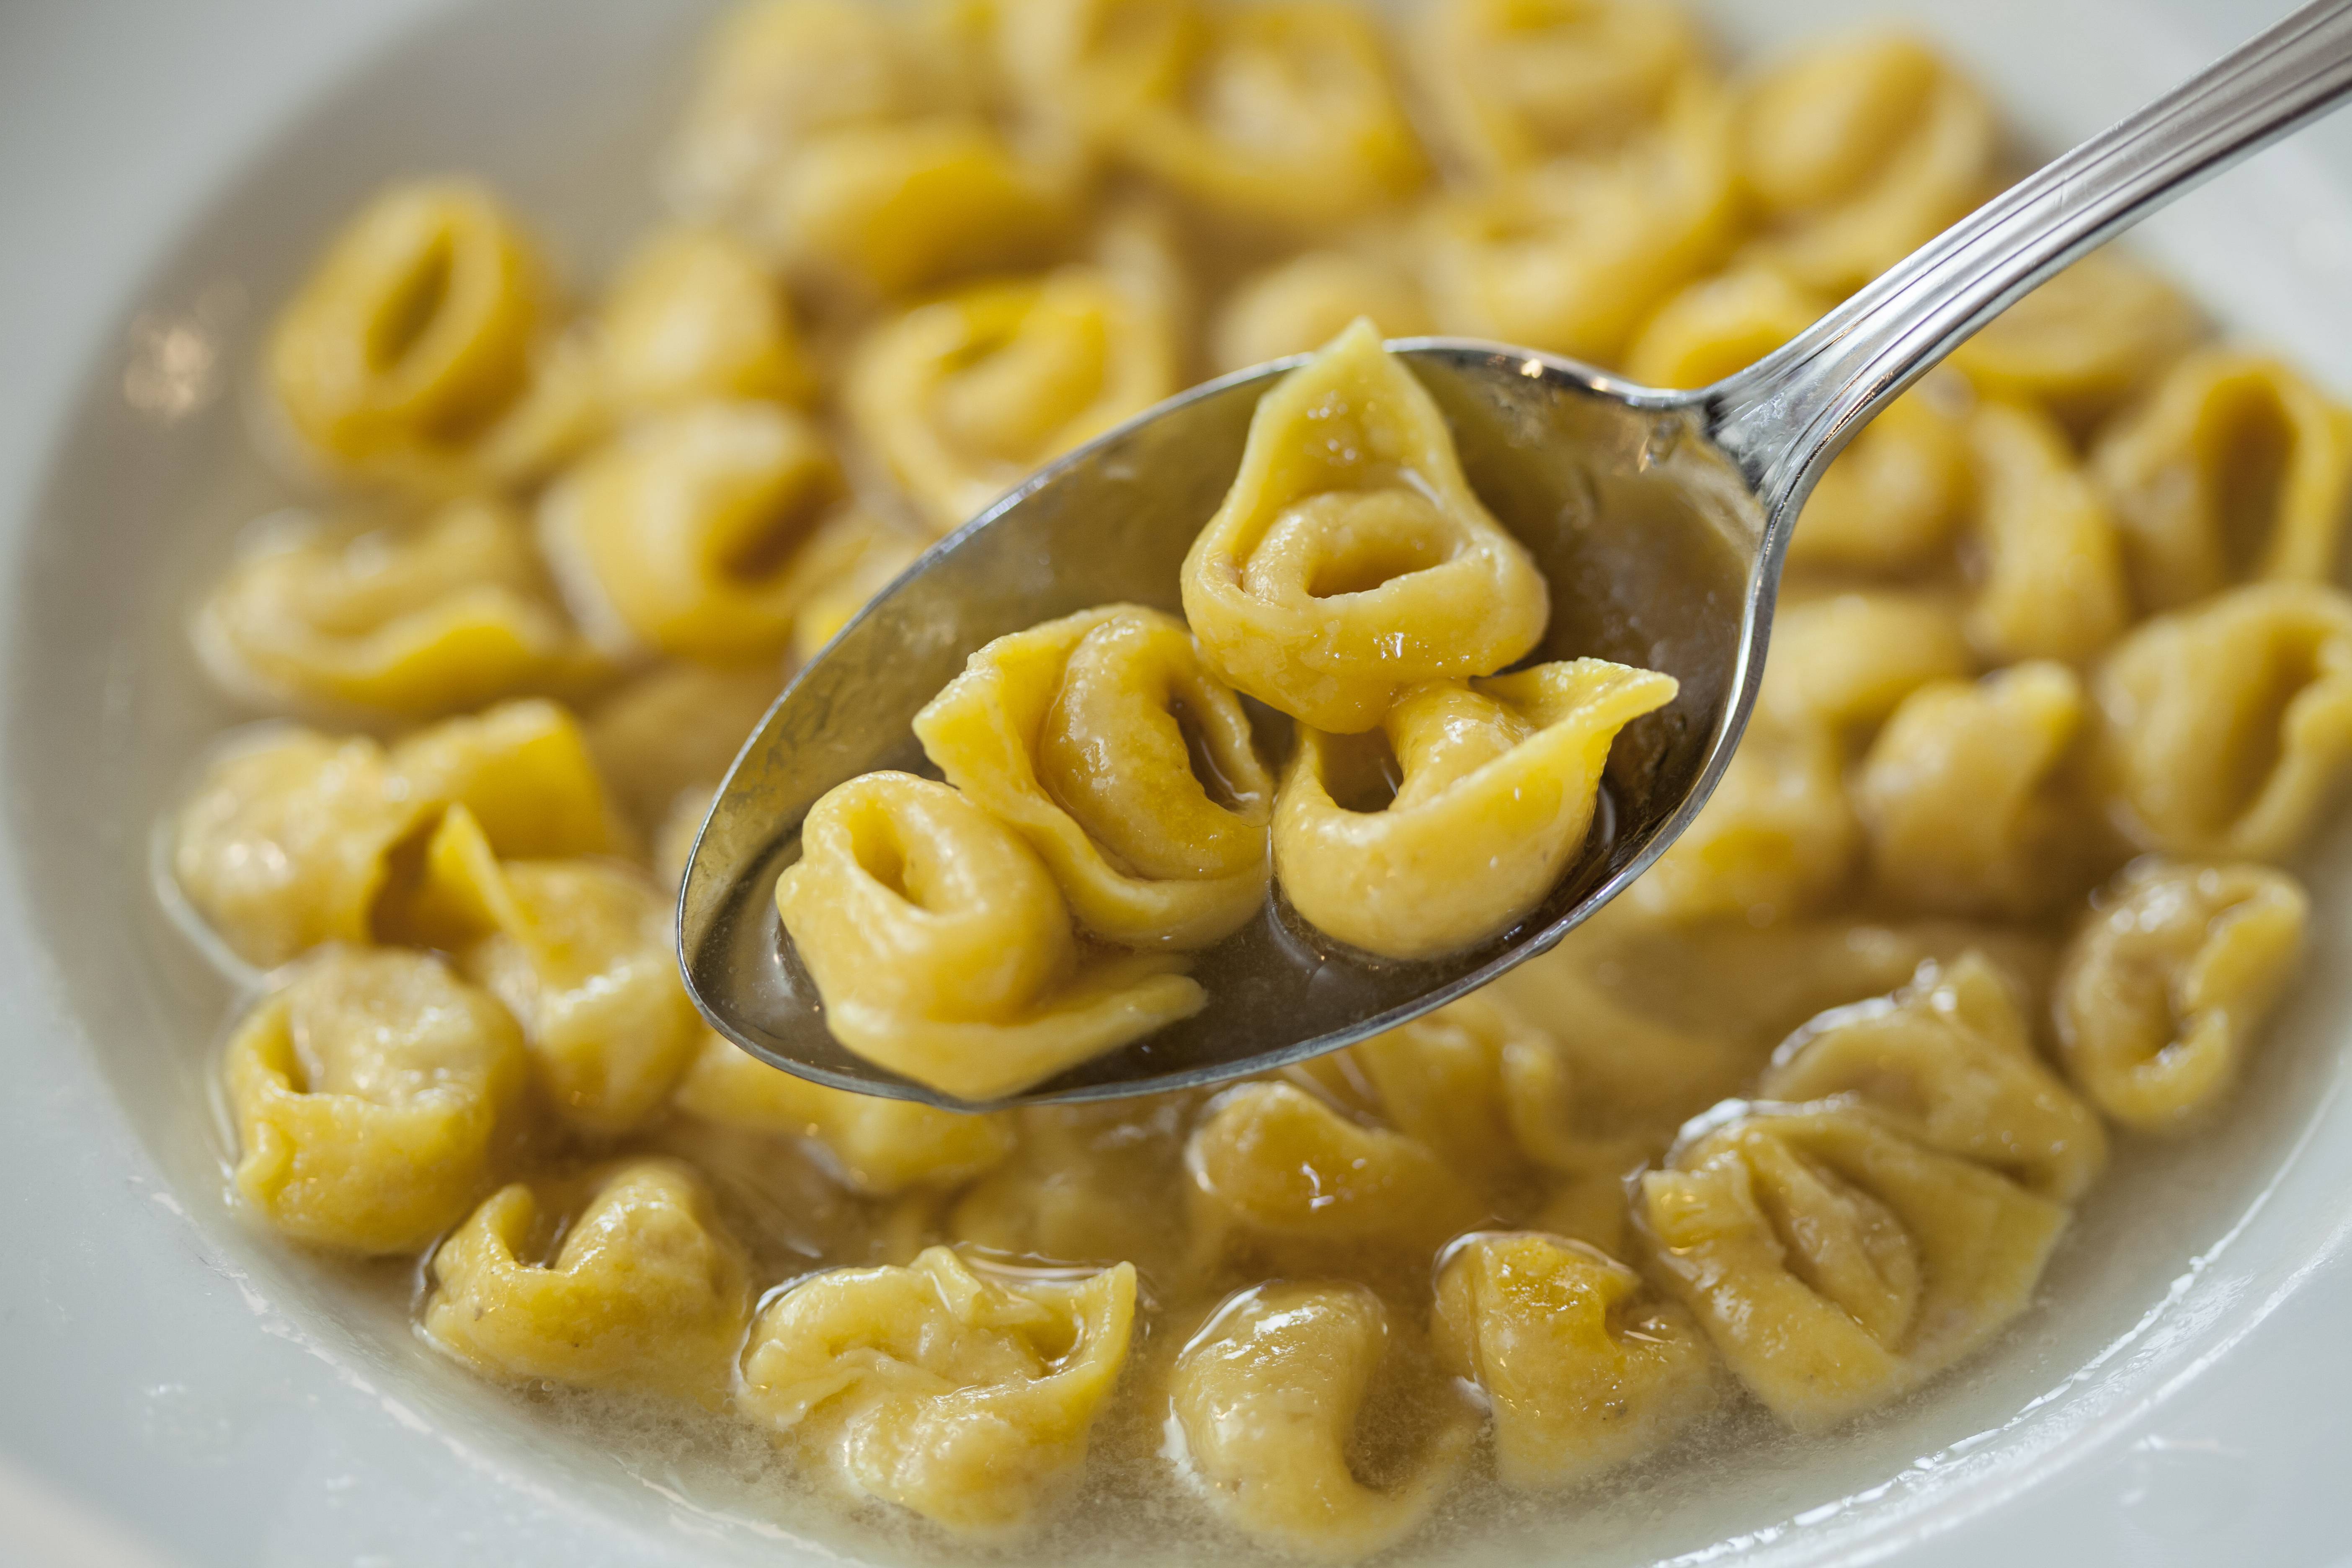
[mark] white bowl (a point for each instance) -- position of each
(175, 1387)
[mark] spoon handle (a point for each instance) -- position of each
(1784, 418)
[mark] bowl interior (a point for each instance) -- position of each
(562, 103)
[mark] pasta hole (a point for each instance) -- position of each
(885, 860)
(767, 538)
(1371, 563)
(2250, 480)
(1201, 753)
(1361, 773)
(408, 311)
(2255, 751)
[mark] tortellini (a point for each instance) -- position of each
(435, 616)
(699, 532)
(882, 553)
(1303, 303)
(2084, 343)
(1350, 559)
(525, 771)
(2227, 727)
(287, 843)
(2236, 468)
(1859, 152)
(962, 398)
(620, 1278)
(676, 729)
(886, 209)
(1283, 117)
(1495, 786)
(944, 951)
(1778, 836)
(1950, 1058)
(580, 950)
(693, 317)
(1088, 1185)
(1721, 325)
(1514, 83)
(1892, 501)
(1270, 1397)
(935, 1388)
(1272, 1160)
(1081, 734)
(418, 330)
(1844, 661)
(368, 1096)
(1083, 67)
(1582, 1368)
(1837, 1262)
(1572, 255)
(1964, 794)
(878, 1146)
(2052, 571)
(2167, 983)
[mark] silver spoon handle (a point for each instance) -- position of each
(1784, 418)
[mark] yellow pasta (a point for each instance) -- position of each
(1845, 660)
(943, 949)
(1860, 152)
(1081, 734)
(1088, 1185)
(882, 553)
(1951, 1059)
(1776, 838)
(878, 1146)
(2169, 981)
(1269, 1397)
(1514, 82)
(1574, 255)
(414, 335)
(525, 771)
(1298, 305)
(368, 1095)
(1495, 783)
(1584, 1368)
(692, 316)
(884, 209)
(2049, 567)
(580, 950)
(1721, 325)
(438, 615)
(1892, 501)
(1835, 1262)
(2086, 341)
(2236, 468)
(1271, 1160)
(1963, 795)
(676, 730)
(620, 1278)
(1351, 558)
(2226, 728)
(1283, 119)
(935, 1388)
(699, 534)
(1083, 68)
(964, 397)
(777, 72)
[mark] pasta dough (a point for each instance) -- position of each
(944, 951)
(1268, 1396)
(1833, 1261)
(1513, 84)
(1350, 559)
(368, 1096)
(1082, 735)
(1584, 1368)
(933, 1388)
(1497, 783)
(619, 1277)
(2167, 983)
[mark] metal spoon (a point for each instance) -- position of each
(1661, 519)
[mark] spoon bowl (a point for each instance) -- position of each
(1659, 519)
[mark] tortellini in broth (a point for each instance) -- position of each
(1495, 788)
(963, 1398)
(1351, 558)
(1082, 734)
(944, 950)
